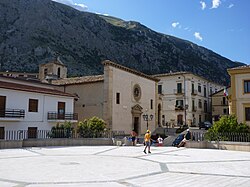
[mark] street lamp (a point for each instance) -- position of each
(147, 118)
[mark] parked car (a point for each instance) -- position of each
(205, 125)
(177, 140)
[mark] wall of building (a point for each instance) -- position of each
(46, 103)
(90, 101)
(120, 115)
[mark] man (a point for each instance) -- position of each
(147, 141)
(186, 138)
(133, 135)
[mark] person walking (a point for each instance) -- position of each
(147, 141)
(133, 135)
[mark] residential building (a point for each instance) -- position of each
(121, 96)
(239, 99)
(184, 98)
(220, 105)
(32, 106)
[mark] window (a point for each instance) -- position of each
(179, 103)
(159, 89)
(224, 111)
(205, 106)
(58, 72)
(247, 86)
(151, 103)
(192, 87)
(33, 105)
(224, 101)
(199, 88)
(179, 87)
(205, 91)
(117, 98)
(211, 91)
(247, 113)
(45, 72)
(200, 103)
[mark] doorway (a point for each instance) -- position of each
(180, 119)
(32, 132)
(61, 110)
(136, 124)
(2, 106)
(1, 132)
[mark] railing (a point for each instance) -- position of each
(66, 116)
(177, 91)
(232, 137)
(12, 113)
(179, 107)
(47, 134)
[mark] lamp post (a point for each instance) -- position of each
(147, 118)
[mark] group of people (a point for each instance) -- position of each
(148, 141)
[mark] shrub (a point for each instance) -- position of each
(91, 128)
(61, 131)
(225, 126)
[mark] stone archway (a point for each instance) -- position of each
(136, 118)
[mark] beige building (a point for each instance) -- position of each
(121, 97)
(220, 105)
(239, 100)
(184, 98)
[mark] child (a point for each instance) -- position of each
(160, 141)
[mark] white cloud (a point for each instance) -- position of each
(216, 3)
(197, 35)
(175, 24)
(203, 5)
(230, 6)
(80, 7)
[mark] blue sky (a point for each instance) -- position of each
(222, 26)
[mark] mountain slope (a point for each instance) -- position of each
(35, 31)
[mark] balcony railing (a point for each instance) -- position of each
(65, 116)
(12, 113)
(179, 91)
(179, 107)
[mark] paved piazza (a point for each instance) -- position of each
(123, 166)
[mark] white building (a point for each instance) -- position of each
(184, 98)
(32, 106)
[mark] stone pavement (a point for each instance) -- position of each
(122, 166)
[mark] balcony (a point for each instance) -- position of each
(179, 92)
(179, 107)
(54, 116)
(12, 114)
(194, 92)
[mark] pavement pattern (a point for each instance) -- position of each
(121, 166)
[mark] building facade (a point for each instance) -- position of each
(121, 96)
(220, 105)
(239, 99)
(184, 98)
(31, 106)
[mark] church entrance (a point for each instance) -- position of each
(136, 119)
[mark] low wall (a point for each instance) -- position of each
(225, 145)
(5, 144)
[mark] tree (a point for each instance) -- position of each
(225, 127)
(91, 128)
(61, 131)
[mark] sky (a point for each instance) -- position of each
(222, 26)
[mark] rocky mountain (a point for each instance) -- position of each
(36, 31)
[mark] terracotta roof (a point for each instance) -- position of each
(110, 63)
(79, 80)
(26, 88)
